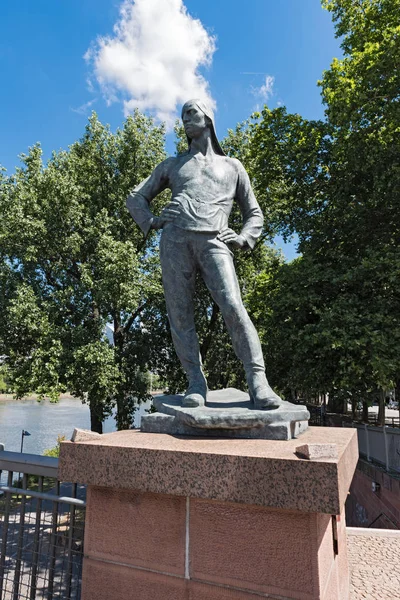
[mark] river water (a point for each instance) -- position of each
(45, 421)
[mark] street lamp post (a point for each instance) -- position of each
(24, 433)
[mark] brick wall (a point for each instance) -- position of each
(367, 508)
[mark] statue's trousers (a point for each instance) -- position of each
(182, 254)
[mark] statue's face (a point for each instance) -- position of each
(194, 120)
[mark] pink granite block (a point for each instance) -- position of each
(332, 589)
(333, 572)
(346, 467)
(342, 558)
(262, 472)
(107, 581)
(146, 530)
(254, 549)
(326, 553)
(84, 435)
(315, 451)
(206, 591)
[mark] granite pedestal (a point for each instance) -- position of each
(182, 518)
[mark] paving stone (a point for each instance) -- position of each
(373, 558)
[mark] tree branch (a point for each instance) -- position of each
(133, 317)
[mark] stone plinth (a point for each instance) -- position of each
(212, 519)
(228, 413)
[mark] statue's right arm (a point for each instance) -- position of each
(138, 201)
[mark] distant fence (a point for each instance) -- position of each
(376, 443)
(380, 445)
(41, 530)
(389, 421)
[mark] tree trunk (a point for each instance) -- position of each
(397, 394)
(382, 406)
(335, 405)
(353, 408)
(96, 424)
(364, 411)
(96, 414)
(125, 410)
(125, 413)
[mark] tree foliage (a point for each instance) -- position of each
(74, 261)
(334, 319)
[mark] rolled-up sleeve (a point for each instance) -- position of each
(138, 201)
(251, 212)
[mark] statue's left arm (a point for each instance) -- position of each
(251, 212)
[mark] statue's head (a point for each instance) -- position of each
(197, 116)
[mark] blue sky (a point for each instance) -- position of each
(246, 52)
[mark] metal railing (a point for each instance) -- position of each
(373, 420)
(380, 445)
(319, 416)
(41, 530)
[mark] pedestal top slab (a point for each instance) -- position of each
(262, 472)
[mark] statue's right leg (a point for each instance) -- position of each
(179, 275)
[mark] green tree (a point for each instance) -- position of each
(75, 261)
(335, 322)
(55, 452)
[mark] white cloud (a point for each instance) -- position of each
(267, 89)
(152, 60)
(83, 109)
(90, 85)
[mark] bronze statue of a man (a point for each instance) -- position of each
(204, 183)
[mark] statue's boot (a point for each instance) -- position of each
(196, 393)
(261, 393)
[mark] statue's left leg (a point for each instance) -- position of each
(218, 271)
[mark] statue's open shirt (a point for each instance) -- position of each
(205, 191)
